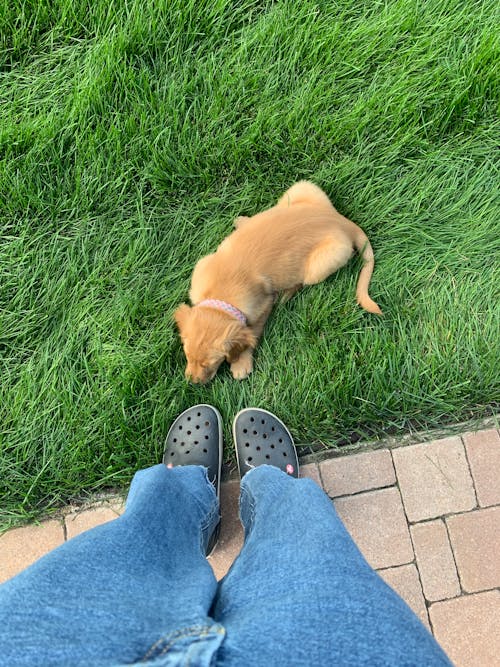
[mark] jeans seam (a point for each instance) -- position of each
(202, 630)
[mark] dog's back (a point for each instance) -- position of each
(276, 243)
(300, 241)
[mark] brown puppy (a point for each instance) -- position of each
(300, 241)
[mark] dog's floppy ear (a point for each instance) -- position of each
(236, 339)
(181, 315)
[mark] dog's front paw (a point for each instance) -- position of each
(243, 366)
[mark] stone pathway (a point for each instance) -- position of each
(426, 516)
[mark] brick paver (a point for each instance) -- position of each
(475, 540)
(405, 581)
(434, 478)
(378, 525)
(483, 452)
(21, 547)
(359, 472)
(467, 629)
(231, 534)
(311, 470)
(435, 560)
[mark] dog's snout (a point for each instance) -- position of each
(197, 376)
(191, 376)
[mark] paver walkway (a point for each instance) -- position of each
(426, 516)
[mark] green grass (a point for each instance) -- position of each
(132, 133)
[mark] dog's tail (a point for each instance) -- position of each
(363, 246)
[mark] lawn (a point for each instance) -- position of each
(131, 135)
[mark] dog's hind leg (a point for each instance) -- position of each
(328, 256)
(331, 254)
(287, 294)
(305, 192)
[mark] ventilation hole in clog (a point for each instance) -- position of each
(197, 426)
(182, 443)
(247, 444)
(258, 448)
(196, 442)
(206, 437)
(273, 429)
(198, 414)
(205, 451)
(252, 419)
(172, 453)
(285, 454)
(187, 451)
(175, 440)
(207, 423)
(254, 432)
(245, 430)
(189, 432)
(264, 435)
(180, 427)
(272, 446)
(262, 421)
(280, 440)
(249, 459)
(189, 419)
(267, 456)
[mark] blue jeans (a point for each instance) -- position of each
(140, 590)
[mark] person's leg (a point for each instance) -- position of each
(135, 589)
(301, 593)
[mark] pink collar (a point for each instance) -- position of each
(226, 307)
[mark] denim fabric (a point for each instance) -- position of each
(139, 589)
(301, 593)
(133, 589)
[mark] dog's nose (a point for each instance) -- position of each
(190, 377)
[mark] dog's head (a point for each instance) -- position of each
(209, 337)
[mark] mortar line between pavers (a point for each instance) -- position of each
(451, 514)
(359, 493)
(413, 562)
(412, 546)
(318, 469)
(429, 603)
(462, 590)
(65, 529)
(419, 575)
(320, 475)
(470, 470)
(463, 595)
(396, 484)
